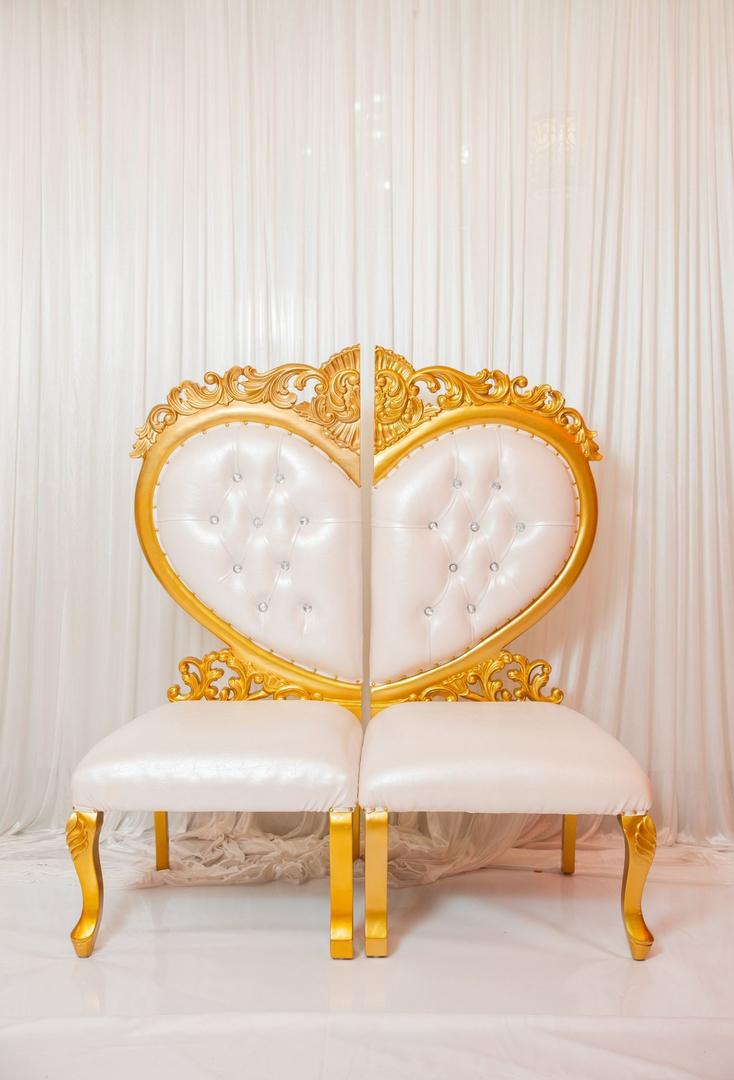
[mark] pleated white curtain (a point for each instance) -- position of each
(542, 187)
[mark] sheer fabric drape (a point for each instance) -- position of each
(547, 188)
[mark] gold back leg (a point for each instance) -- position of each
(568, 844)
(162, 854)
(356, 822)
(640, 841)
(375, 882)
(341, 872)
(82, 838)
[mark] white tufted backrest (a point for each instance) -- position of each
(265, 529)
(483, 515)
(248, 511)
(469, 529)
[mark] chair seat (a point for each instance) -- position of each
(494, 758)
(236, 755)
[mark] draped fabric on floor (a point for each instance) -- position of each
(546, 188)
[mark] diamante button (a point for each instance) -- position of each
(474, 526)
(496, 485)
(471, 608)
(214, 519)
(457, 483)
(494, 566)
(307, 608)
(237, 477)
(428, 611)
(453, 567)
(237, 568)
(303, 520)
(279, 478)
(262, 606)
(432, 524)
(285, 565)
(257, 522)
(520, 526)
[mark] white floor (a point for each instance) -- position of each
(508, 972)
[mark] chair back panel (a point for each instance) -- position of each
(483, 513)
(248, 511)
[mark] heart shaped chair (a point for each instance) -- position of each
(248, 511)
(484, 513)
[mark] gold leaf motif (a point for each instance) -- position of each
(334, 404)
(399, 406)
(527, 680)
(76, 836)
(245, 683)
(643, 838)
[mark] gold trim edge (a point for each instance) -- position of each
(335, 405)
(399, 407)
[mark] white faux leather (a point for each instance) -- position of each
(265, 529)
(467, 531)
(226, 755)
(497, 758)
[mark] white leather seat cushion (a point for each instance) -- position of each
(494, 758)
(226, 755)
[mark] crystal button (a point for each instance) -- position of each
(214, 519)
(457, 482)
(303, 520)
(471, 608)
(257, 522)
(237, 477)
(428, 611)
(496, 485)
(453, 567)
(237, 568)
(494, 566)
(474, 526)
(307, 608)
(520, 526)
(279, 478)
(262, 606)
(432, 524)
(285, 565)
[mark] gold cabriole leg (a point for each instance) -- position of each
(82, 838)
(162, 860)
(356, 821)
(375, 882)
(568, 844)
(640, 841)
(341, 833)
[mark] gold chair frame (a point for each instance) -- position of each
(403, 421)
(330, 420)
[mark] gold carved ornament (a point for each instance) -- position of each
(399, 406)
(318, 404)
(506, 677)
(415, 406)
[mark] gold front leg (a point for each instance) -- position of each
(82, 838)
(356, 821)
(640, 841)
(162, 860)
(341, 833)
(375, 882)
(568, 844)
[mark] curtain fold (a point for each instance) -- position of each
(542, 187)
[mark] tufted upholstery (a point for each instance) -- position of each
(497, 758)
(468, 530)
(265, 529)
(209, 755)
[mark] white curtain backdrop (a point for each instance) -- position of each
(542, 187)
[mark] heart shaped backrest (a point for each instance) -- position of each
(248, 511)
(483, 514)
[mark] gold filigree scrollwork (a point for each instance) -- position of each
(506, 677)
(334, 404)
(399, 406)
(245, 683)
